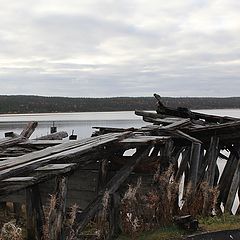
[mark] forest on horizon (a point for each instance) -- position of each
(39, 104)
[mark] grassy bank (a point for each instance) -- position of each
(207, 224)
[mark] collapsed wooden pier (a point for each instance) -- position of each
(200, 149)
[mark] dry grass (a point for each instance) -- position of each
(147, 211)
(11, 232)
(202, 201)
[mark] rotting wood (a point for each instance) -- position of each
(233, 190)
(54, 136)
(111, 187)
(172, 133)
(212, 155)
(178, 124)
(186, 113)
(43, 157)
(114, 218)
(183, 164)
(25, 134)
(35, 214)
(194, 164)
(28, 131)
(57, 214)
(102, 174)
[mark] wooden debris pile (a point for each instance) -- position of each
(201, 151)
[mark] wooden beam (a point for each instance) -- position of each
(57, 215)
(35, 214)
(114, 216)
(178, 124)
(194, 163)
(30, 128)
(233, 189)
(54, 136)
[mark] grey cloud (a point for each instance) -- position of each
(110, 48)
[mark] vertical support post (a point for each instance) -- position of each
(213, 152)
(17, 208)
(166, 155)
(194, 163)
(233, 190)
(35, 214)
(58, 213)
(212, 155)
(114, 218)
(102, 174)
(227, 177)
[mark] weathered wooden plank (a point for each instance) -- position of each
(44, 143)
(102, 174)
(178, 124)
(19, 179)
(212, 156)
(233, 190)
(114, 218)
(194, 163)
(54, 136)
(226, 177)
(57, 215)
(43, 157)
(186, 113)
(145, 139)
(35, 214)
(148, 114)
(183, 164)
(28, 131)
(186, 136)
(56, 167)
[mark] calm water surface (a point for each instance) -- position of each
(82, 123)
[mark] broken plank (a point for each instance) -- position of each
(178, 124)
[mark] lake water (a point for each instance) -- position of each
(82, 123)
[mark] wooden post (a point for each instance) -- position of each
(226, 178)
(233, 190)
(17, 208)
(114, 218)
(102, 174)
(166, 156)
(194, 163)
(35, 214)
(213, 152)
(58, 213)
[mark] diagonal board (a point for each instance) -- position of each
(111, 187)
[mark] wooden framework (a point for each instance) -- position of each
(193, 143)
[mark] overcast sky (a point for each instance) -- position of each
(98, 48)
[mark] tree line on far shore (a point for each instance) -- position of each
(39, 104)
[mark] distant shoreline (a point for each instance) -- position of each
(38, 104)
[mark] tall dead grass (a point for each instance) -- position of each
(144, 211)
